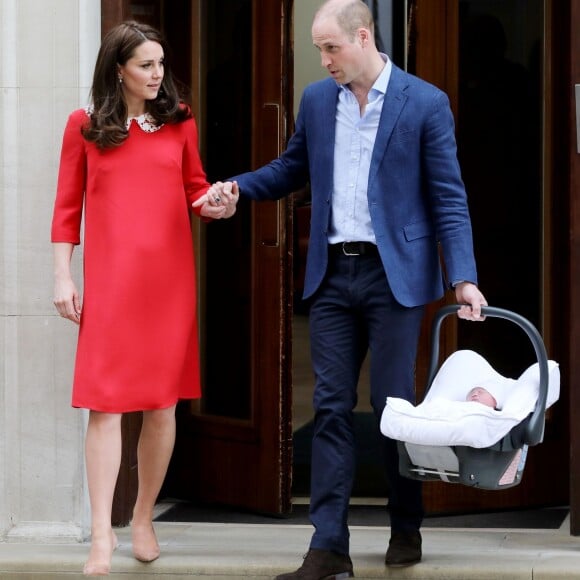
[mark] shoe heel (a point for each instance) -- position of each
(342, 576)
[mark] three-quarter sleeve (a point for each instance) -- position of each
(194, 177)
(68, 206)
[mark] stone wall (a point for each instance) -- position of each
(47, 54)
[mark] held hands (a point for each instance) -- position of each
(219, 202)
(471, 300)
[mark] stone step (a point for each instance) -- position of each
(229, 551)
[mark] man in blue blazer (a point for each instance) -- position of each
(378, 148)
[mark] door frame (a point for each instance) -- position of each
(436, 25)
(245, 462)
(242, 462)
(562, 275)
(573, 307)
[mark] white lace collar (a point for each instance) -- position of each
(145, 121)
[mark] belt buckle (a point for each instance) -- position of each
(346, 252)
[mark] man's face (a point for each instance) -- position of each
(341, 56)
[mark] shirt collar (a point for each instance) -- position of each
(383, 79)
(380, 85)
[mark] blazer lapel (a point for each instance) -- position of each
(395, 99)
(327, 124)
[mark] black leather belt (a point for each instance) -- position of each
(353, 249)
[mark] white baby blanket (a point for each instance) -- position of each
(445, 418)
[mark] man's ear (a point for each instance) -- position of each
(363, 36)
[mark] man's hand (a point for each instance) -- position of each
(470, 300)
(219, 201)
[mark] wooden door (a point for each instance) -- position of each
(499, 64)
(233, 446)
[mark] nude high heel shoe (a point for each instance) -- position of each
(145, 545)
(100, 555)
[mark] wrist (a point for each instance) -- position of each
(62, 275)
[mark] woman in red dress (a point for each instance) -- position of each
(131, 160)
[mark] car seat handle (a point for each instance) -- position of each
(535, 427)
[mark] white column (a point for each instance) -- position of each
(47, 54)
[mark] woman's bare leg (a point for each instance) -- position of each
(153, 454)
(103, 459)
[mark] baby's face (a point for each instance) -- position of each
(483, 396)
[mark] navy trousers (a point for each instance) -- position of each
(353, 312)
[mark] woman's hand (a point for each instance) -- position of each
(66, 296)
(66, 299)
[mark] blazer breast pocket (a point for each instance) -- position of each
(403, 135)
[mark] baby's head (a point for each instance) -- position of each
(483, 396)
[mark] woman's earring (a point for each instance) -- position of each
(121, 79)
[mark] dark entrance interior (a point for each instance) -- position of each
(500, 136)
(499, 130)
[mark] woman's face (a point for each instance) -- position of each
(142, 75)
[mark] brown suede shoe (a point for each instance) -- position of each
(321, 565)
(404, 549)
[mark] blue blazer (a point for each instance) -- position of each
(416, 196)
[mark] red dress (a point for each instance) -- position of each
(138, 342)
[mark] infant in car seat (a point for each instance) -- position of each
(490, 393)
(469, 403)
(483, 396)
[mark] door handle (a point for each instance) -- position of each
(276, 107)
(577, 94)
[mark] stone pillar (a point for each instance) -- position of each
(47, 55)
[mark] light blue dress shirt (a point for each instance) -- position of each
(350, 219)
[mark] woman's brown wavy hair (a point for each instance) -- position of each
(107, 126)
